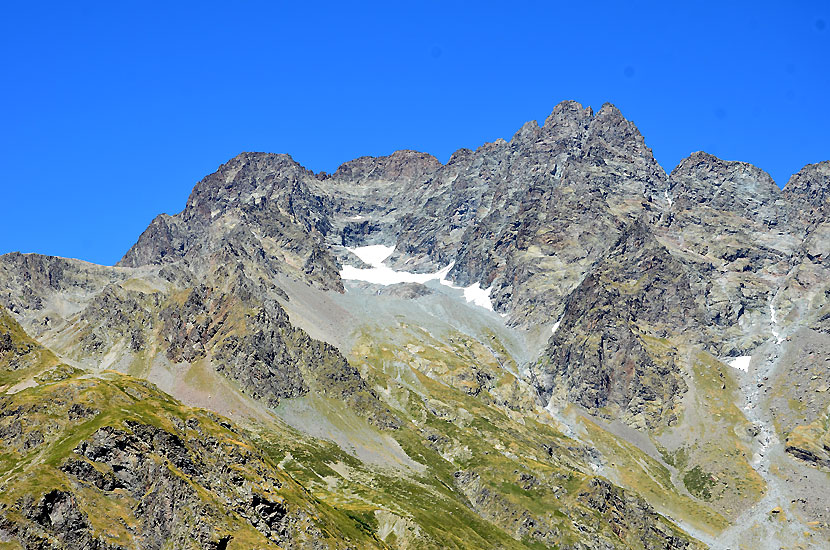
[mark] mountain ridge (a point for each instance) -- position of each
(593, 407)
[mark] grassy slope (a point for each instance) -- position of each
(40, 434)
(118, 398)
(457, 423)
(25, 359)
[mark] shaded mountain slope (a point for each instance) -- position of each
(598, 357)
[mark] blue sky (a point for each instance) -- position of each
(111, 112)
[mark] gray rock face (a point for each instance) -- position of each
(254, 204)
(534, 212)
(811, 185)
(598, 358)
(44, 290)
(632, 517)
(737, 234)
(531, 219)
(58, 513)
(736, 187)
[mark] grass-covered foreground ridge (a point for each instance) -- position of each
(105, 460)
(111, 462)
(128, 466)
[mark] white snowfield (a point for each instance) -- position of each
(373, 255)
(381, 274)
(741, 363)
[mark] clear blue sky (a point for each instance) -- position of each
(112, 111)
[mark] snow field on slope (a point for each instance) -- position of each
(741, 363)
(380, 274)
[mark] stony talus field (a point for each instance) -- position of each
(548, 342)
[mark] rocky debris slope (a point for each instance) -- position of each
(811, 443)
(185, 313)
(484, 436)
(103, 460)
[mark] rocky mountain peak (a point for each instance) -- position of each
(568, 119)
(812, 185)
(568, 110)
(602, 138)
(247, 206)
(529, 132)
(567, 318)
(400, 166)
(616, 131)
(718, 172)
(704, 179)
(246, 177)
(460, 155)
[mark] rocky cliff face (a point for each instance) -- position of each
(528, 217)
(257, 206)
(809, 186)
(522, 215)
(598, 356)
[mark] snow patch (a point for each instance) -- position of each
(555, 326)
(380, 274)
(374, 255)
(479, 296)
(668, 198)
(741, 363)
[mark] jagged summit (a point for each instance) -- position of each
(568, 110)
(812, 184)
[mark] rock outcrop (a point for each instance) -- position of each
(597, 357)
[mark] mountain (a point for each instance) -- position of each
(547, 342)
